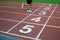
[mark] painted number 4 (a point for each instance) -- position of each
(36, 19)
(27, 28)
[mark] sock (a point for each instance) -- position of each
(28, 9)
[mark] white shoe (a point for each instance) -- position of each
(29, 10)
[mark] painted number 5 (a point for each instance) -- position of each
(27, 28)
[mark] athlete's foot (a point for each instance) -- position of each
(29, 10)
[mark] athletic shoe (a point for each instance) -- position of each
(29, 10)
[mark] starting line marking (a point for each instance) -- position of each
(19, 35)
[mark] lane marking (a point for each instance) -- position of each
(28, 22)
(42, 24)
(19, 13)
(36, 19)
(17, 35)
(23, 19)
(32, 23)
(45, 23)
(26, 29)
(28, 14)
(7, 6)
(57, 11)
(13, 7)
(9, 20)
(53, 26)
(14, 12)
(38, 4)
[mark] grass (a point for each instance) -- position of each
(39, 1)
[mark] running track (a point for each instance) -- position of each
(16, 22)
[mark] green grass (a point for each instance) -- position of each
(39, 1)
(49, 1)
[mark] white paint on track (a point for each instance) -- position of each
(45, 23)
(24, 19)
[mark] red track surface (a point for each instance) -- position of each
(13, 18)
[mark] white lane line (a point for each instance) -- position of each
(17, 35)
(9, 20)
(45, 23)
(6, 4)
(32, 23)
(57, 11)
(42, 24)
(56, 17)
(18, 21)
(28, 22)
(28, 14)
(53, 26)
(13, 7)
(14, 12)
(8, 7)
(21, 13)
(23, 19)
